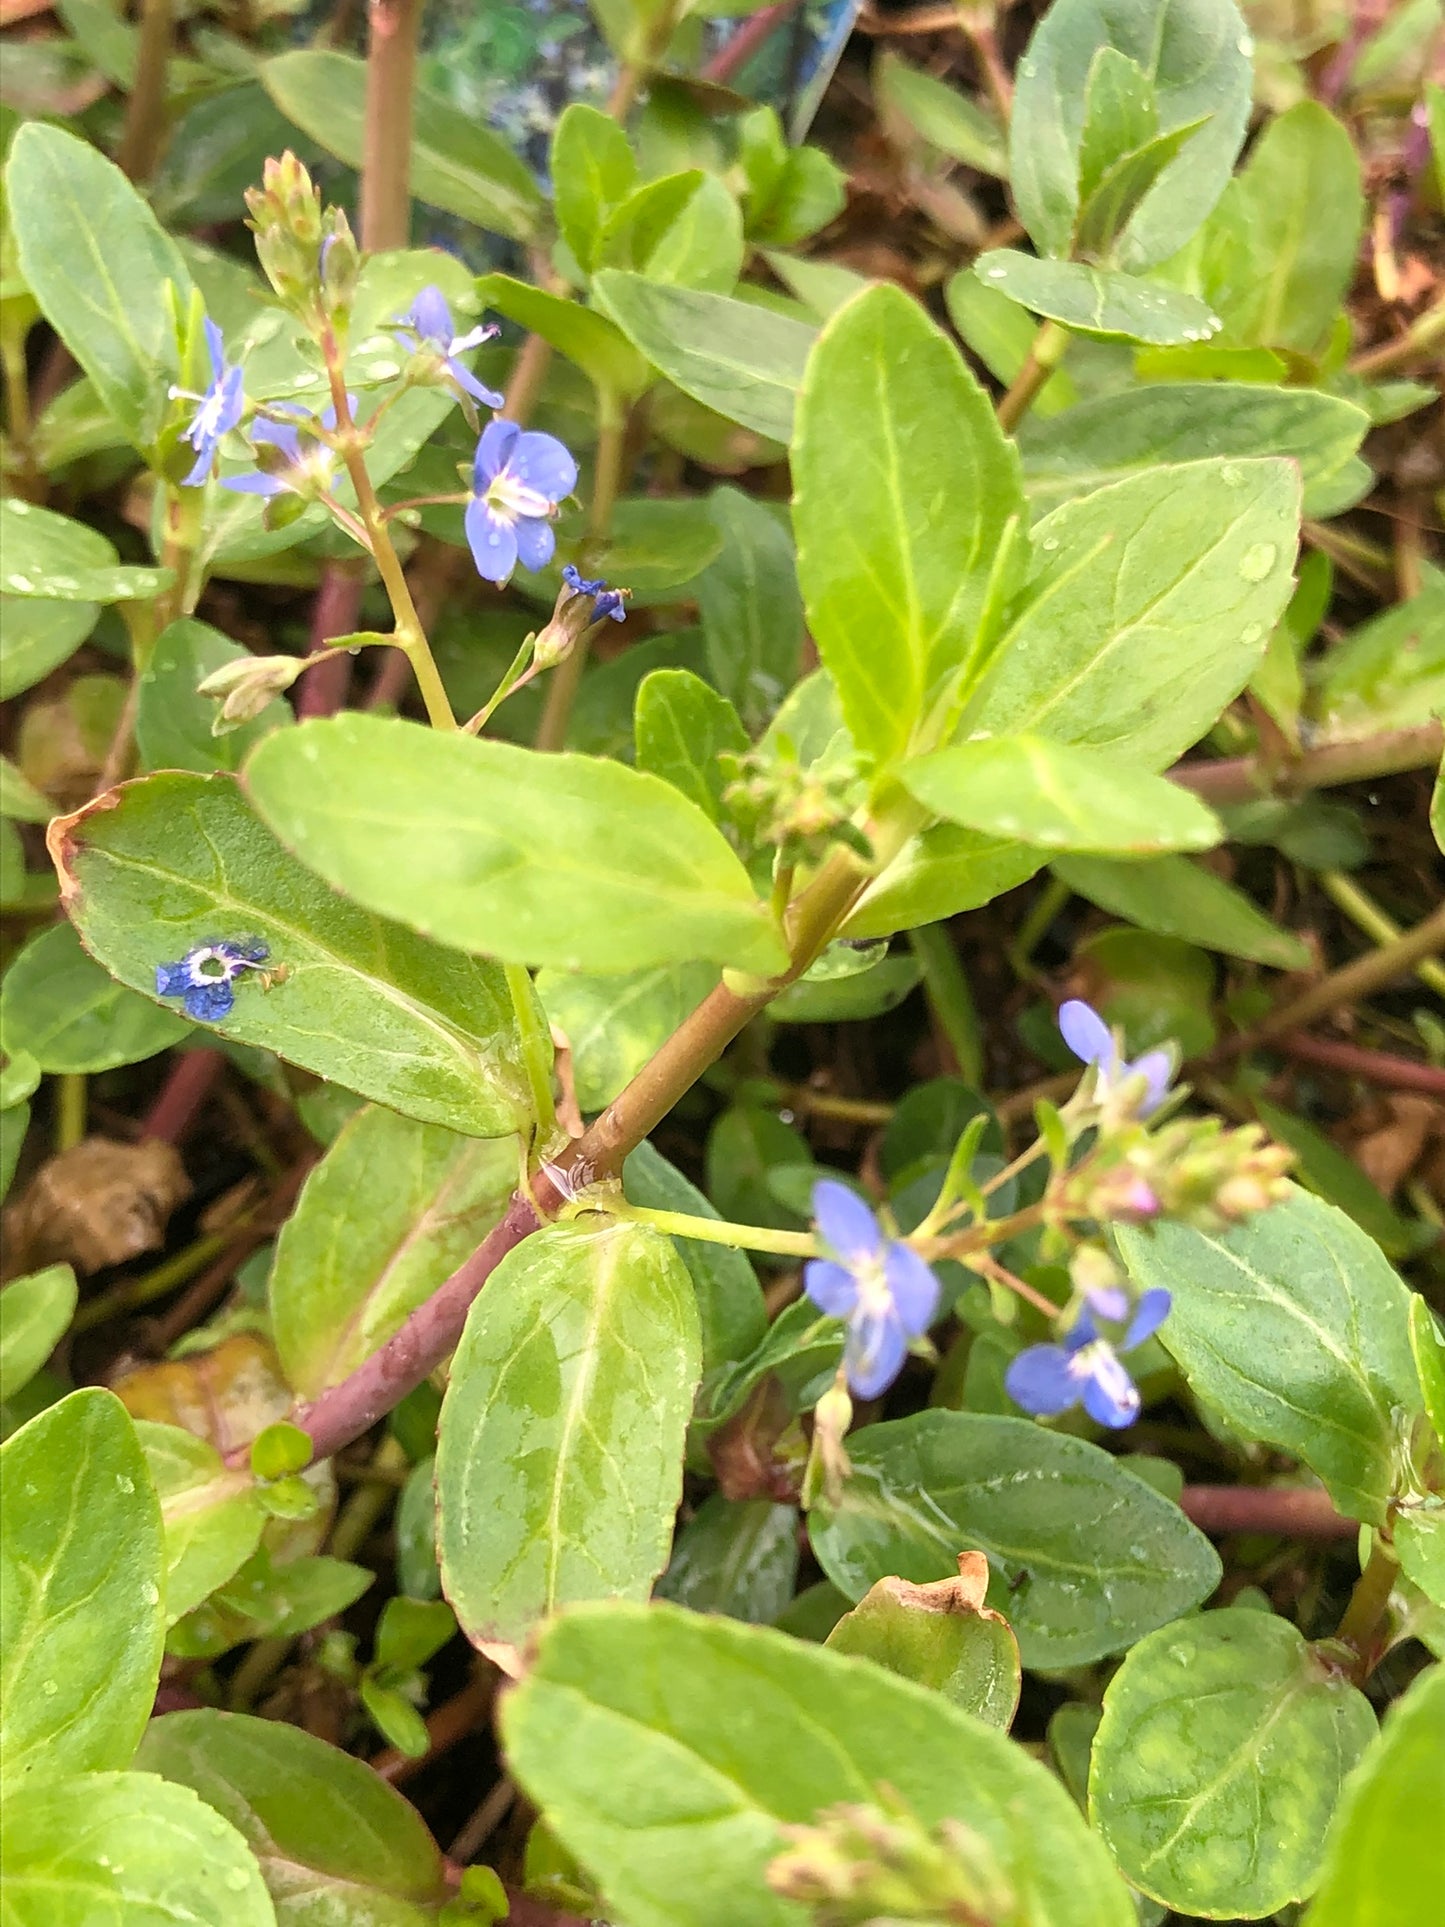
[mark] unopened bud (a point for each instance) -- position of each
(308, 254)
(861, 1864)
(828, 1462)
(244, 688)
(580, 605)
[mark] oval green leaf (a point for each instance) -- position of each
(72, 1016)
(1176, 898)
(52, 559)
(735, 1556)
(1098, 301)
(173, 724)
(210, 1514)
(34, 1314)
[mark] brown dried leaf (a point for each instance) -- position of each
(1388, 1154)
(100, 1203)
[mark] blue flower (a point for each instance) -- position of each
(202, 978)
(605, 602)
(518, 480)
(1089, 1037)
(1085, 1368)
(880, 1285)
(428, 325)
(307, 468)
(221, 407)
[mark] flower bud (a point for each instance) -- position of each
(244, 688)
(859, 1864)
(580, 605)
(308, 254)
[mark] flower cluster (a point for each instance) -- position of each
(202, 979)
(1090, 1038)
(878, 1284)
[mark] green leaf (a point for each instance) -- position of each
(209, 1513)
(735, 357)
(1001, 333)
(1108, 437)
(904, 483)
(752, 613)
(97, 261)
(126, 1847)
(598, 347)
(735, 1556)
(1098, 301)
(942, 1636)
(35, 1313)
(19, 798)
(1427, 1343)
(593, 170)
(1382, 1857)
(1389, 674)
(1177, 898)
(173, 724)
(1294, 1327)
(80, 1589)
(39, 636)
(1060, 797)
(1218, 1762)
(615, 1734)
(1105, 216)
(559, 1458)
(606, 869)
(682, 725)
(1195, 54)
(866, 993)
(342, 1283)
(941, 116)
(457, 164)
(1150, 603)
(265, 1601)
(72, 1016)
(731, 1310)
(332, 1838)
(1091, 1557)
(50, 558)
(615, 1023)
(939, 873)
(684, 230)
(1420, 1548)
(174, 860)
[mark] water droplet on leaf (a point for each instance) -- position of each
(1256, 563)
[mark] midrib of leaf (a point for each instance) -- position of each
(576, 1412)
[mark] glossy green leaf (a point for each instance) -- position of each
(1196, 56)
(1060, 797)
(175, 860)
(72, 1016)
(97, 261)
(263, 1600)
(1177, 898)
(735, 357)
(683, 231)
(80, 1588)
(1150, 603)
(173, 725)
(125, 1847)
(607, 868)
(342, 1282)
(735, 1556)
(1098, 301)
(1001, 333)
(35, 1313)
(904, 483)
(51, 558)
(1420, 1548)
(941, 116)
(209, 1512)
(593, 170)
(939, 873)
(752, 613)
(1427, 1343)
(613, 1024)
(867, 993)
(1218, 1762)
(1108, 437)
(19, 798)
(1389, 674)
(1295, 1328)
(332, 1838)
(598, 347)
(615, 1733)
(559, 1458)
(457, 163)
(938, 1636)
(1382, 1857)
(39, 636)
(1087, 1558)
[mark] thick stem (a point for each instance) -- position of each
(70, 1109)
(607, 482)
(145, 114)
(1363, 1625)
(1295, 1512)
(1244, 779)
(386, 161)
(1366, 915)
(335, 612)
(189, 1082)
(1370, 1066)
(1043, 358)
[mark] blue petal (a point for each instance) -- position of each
(493, 544)
(201, 467)
(913, 1287)
(831, 1287)
(1086, 1033)
(535, 542)
(874, 1354)
(173, 979)
(257, 484)
(1156, 1067)
(844, 1222)
(1082, 1332)
(208, 1003)
(544, 464)
(231, 388)
(1110, 1396)
(492, 452)
(431, 317)
(1041, 1381)
(1108, 1301)
(610, 603)
(216, 345)
(462, 376)
(280, 435)
(1149, 1314)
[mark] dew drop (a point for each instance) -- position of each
(1252, 632)
(1050, 543)
(50, 1689)
(1245, 45)
(995, 274)
(236, 1879)
(21, 582)
(1028, 68)
(150, 1594)
(19, 508)
(124, 1484)
(1231, 475)
(1256, 563)
(384, 370)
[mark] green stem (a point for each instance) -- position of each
(1421, 336)
(536, 1051)
(712, 1231)
(386, 159)
(1043, 358)
(1366, 915)
(145, 114)
(1369, 1603)
(512, 680)
(607, 481)
(950, 998)
(1351, 985)
(1042, 911)
(70, 1106)
(131, 1293)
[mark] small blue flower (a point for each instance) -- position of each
(1089, 1037)
(221, 407)
(605, 602)
(202, 978)
(427, 324)
(308, 466)
(879, 1284)
(518, 480)
(1085, 1368)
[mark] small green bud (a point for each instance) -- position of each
(307, 253)
(244, 689)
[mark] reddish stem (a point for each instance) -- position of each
(1373, 1066)
(732, 58)
(336, 612)
(1243, 779)
(1293, 1511)
(189, 1082)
